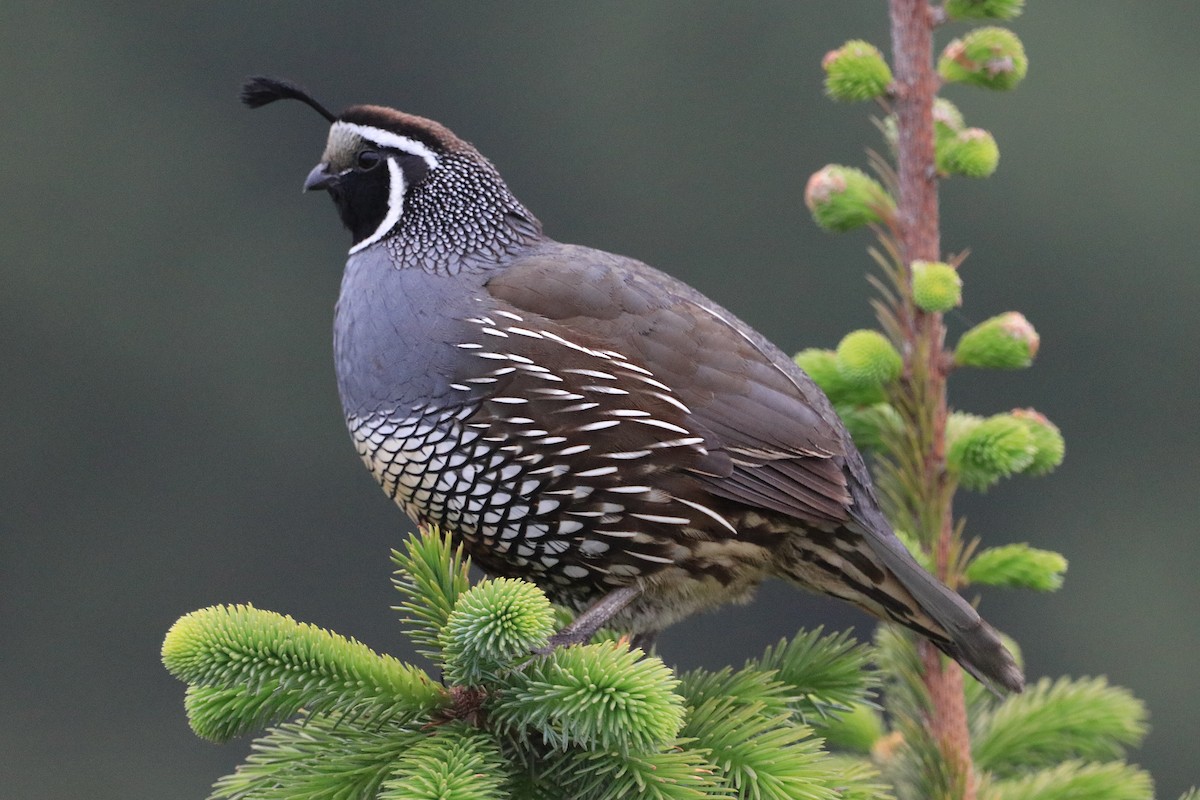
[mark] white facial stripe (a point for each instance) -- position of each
(396, 191)
(388, 139)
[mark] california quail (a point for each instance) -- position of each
(583, 421)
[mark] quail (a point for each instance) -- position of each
(584, 421)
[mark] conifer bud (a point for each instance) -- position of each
(960, 423)
(997, 447)
(856, 71)
(821, 366)
(947, 119)
(867, 358)
(1018, 566)
(947, 122)
(984, 9)
(1006, 341)
(856, 730)
(492, 624)
(1047, 439)
(972, 152)
(871, 427)
(992, 58)
(936, 285)
(843, 198)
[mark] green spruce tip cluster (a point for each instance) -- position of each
(598, 721)
(983, 9)
(1061, 739)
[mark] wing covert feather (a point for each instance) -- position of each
(745, 396)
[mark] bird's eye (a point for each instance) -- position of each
(368, 160)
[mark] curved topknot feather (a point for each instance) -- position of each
(261, 90)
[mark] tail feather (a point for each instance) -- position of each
(969, 640)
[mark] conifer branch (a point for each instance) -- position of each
(598, 696)
(1076, 779)
(430, 575)
(1059, 736)
(318, 758)
(1085, 718)
(265, 667)
(592, 722)
(459, 762)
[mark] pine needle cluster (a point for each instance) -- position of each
(508, 720)
(1067, 738)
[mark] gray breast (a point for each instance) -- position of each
(394, 333)
(548, 456)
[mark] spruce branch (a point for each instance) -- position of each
(759, 754)
(1085, 718)
(430, 573)
(586, 722)
(598, 696)
(747, 686)
(492, 626)
(856, 730)
(220, 714)
(271, 666)
(828, 672)
(458, 763)
(318, 758)
(1019, 566)
(675, 773)
(1076, 780)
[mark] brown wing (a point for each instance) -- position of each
(783, 442)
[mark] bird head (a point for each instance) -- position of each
(385, 170)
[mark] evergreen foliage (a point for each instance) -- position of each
(1076, 780)
(460, 762)
(972, 152)
(491, 625)
(1006, 341)
(319, 758)
(991, 58)
(430, 575)
(1083, 718)
(508, 722)
(597, 696)
(936, 286)
(867, 358)
(822, 367)
(938, 737)
(984, 9)
(856, 71)
(996, 448)
(246, 667)
(1019, 566)
(845, 198)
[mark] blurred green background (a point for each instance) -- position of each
(171, 435)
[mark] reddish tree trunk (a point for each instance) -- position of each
(916, 86)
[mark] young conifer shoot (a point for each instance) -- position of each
(596, 721)
(941, 735)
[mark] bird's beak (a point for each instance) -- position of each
(319, 178)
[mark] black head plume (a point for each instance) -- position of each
(260, 90)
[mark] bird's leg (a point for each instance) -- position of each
(593, 619)
(644, 640)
